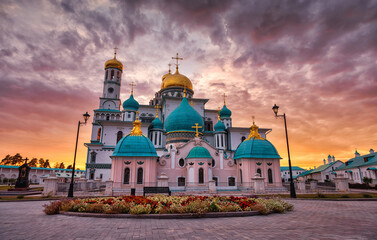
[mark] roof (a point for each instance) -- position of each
(131, 104)
(294, 168)
(199, 152)
(135, 146)
(256, 148)
(219, 127)
(360, 161)
(318, 169)
(225, 112)
(39, 168)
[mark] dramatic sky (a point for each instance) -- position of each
(316, 59)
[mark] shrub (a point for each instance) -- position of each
(345, 196)
(320, 195)
(20, 196)
(141, 209)
(52, 208)
(367, 195)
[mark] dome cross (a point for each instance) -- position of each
(157, 107)
(177, 58)
(224, 98)
(115, 52)
(197, 129)
(132, 84)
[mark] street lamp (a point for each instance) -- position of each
(70, 191)
(275, 108)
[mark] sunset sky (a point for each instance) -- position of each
(317, 60)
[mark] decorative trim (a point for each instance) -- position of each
(201, 163)
(140, 163)
(191, 163)
(269, 164)
(127, 162)
(259, 163)
(98, 166)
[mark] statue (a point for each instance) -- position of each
(23, 176)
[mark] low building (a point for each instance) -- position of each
(323, 173)
(359, 167)
(295, 172)
(36, 173)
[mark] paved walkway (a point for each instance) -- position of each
(309, 220)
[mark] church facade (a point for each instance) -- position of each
(174, 140)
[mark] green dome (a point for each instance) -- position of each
(220, 127)
(156, 124)
(225, 112)
(183, 118)
(135, 146)
(131, 104)
(199, 152)
(256, 148)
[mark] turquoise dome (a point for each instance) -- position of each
(156, 124)
(225, 112)
(256, 148)
(183, 118)
(199, 152)
(135, 146)
(131, 104)
(220, 127)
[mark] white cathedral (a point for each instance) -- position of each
(174, 138)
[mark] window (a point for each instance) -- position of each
(91, 175)
(107, 74)
(181, 181)
(269, 172)
(119, 136)
(213, 162)
(100, 176)
(126, 177)
(243, 138)
(107, 117)
(259, 171)
(201, 175)
(181, 162)
(99, 134)
(231, 181)
(129, 115)
(140, 176)
(241, 175)
(93, 157)
(112, 74)
(118, 74)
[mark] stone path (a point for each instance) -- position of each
(309, 220)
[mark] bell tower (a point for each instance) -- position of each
(112, 82)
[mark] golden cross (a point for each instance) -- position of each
(224, 98)
(253, 117)
(132, 84)
(137, 115)
(169, 67)
(157, 107)
(177, 58)
(115, 51)
(218, 112)
(197, 129)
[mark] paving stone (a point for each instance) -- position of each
(309, 220)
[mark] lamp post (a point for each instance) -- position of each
(292, 186)
(70, 191)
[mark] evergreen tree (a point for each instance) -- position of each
(47, 164)
(61, 165)
(69, 167)
(41, 162)
(17, 160)
(33, 162)
(6, 161)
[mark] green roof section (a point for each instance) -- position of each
(318, 169)
(135, 146)
(156, 124)
(131, 104)
(220, 127)
(199, 152)
(256, 148)
(360, 161)
(294, 168)
(183, 118)
(225, 112)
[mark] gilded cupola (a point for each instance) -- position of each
(114, 63)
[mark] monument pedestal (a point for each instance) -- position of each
(258, 183)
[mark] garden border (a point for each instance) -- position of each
(166, 216)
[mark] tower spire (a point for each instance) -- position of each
(177, 64)
(157, 107)
(115, 52)
(132, 84)
(224, 98)
(169, 68)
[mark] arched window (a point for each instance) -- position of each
(108, 117)
(118, 75)
(260, 172)
(140, 176)
(181, 162)
(112, 74)
(269, 172)
(213, 162)
(201, 175)
(126, 177)
(93, 157)
(119, 136)
(243, 138)
(241, 176)
(231, 181)
(181, 182)
(99, 134)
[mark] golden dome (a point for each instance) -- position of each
(114, 63)
(176, 80)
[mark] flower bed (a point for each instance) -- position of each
(159, 204)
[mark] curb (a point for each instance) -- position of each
(334, 199)
(165, 216)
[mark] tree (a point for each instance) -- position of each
(33, 162)
(367, 180)
(17, 160)
(7, 160)
(41, 162)
(61, 165)
(56, 165)
(47, 164)
(69, 167)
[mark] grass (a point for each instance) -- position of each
(5, 187)
(326, 195)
